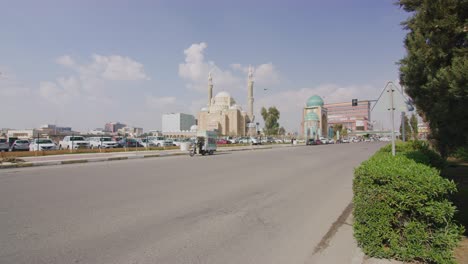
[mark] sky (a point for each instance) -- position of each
(84, 63)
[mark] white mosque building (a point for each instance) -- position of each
(224, 115)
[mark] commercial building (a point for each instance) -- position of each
(113, 127)
(224, 115)
(54, 130)
(176, 122)
(354, 118)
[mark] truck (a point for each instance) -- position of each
(73, 142)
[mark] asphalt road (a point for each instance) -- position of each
(264, 206)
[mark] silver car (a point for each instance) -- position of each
(20, 144)
(4, 146)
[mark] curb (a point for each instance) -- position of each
(81, 161)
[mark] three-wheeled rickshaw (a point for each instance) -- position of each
(205, 143)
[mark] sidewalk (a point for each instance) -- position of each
(112, 156)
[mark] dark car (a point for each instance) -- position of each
(311, 141)
(129, 143)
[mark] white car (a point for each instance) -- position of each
(39, 144)
(102, 142)
(73, 142)
(4, 145)
(161, 141)
(146, 143)
(324, 140)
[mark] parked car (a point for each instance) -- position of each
(311, 141)
(39, 144)
(73, 142)
(319, 142)
(161, 141)
(223, 141)
(345, 140)
(20, 144)
(244, 140)
(102, 142)
(146, 143)
(324, 140)
(170, 142)
(129, 143)
(232, 140)
(4, 146)
(279, 141)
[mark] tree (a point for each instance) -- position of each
(336, 128)
(414, 126)
(271, 117)
(344, 132)
(408, 130)
(281, 131)
(434, 69)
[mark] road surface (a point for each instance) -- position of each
(263, 206)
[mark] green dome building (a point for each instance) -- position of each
(314, 118)
(314, 101)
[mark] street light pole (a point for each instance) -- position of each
(390, 89)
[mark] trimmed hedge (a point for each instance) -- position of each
(402, 210)
(420, 151)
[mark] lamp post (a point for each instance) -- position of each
(390, 89)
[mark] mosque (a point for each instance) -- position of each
(314, 118)
(224, 115)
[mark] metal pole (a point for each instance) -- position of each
(392, 109)
(403, 136)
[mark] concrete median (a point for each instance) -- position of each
(88, 158)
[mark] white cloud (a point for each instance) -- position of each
(195, 71)
(10, 86)
(160, 102)
(266, 74)
(91, 81)
(65, 60)
(117, 68)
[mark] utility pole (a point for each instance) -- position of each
(403, 133)
(390, 89)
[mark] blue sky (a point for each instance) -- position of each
(84, 63)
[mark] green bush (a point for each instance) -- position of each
(419, 150)
(461, 153)
(402, 211)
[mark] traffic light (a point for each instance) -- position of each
(354, 102)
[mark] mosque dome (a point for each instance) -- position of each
(314, 100)
(311, 116)
(236, 107)
(193, 128)
(223, 94)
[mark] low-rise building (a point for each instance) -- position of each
(131, 131)
(23, 133)
(177, 122)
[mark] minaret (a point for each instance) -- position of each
(250, 99)
(210, 88)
